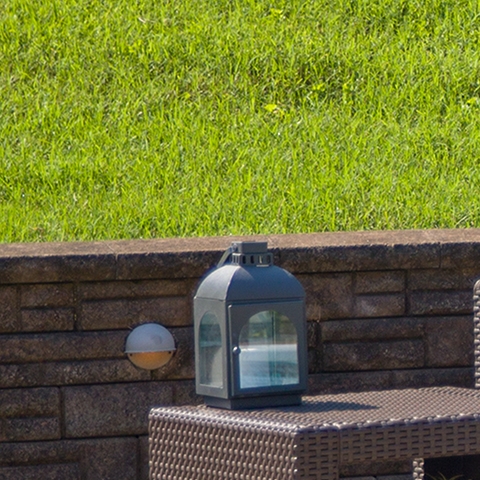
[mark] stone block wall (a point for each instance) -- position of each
(385, 310)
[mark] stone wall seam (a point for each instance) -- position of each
(18, 307)
(62, 413)
(115, 259)
(76, 303)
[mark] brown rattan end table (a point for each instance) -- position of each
(313, 440)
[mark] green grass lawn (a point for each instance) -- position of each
(158, 118)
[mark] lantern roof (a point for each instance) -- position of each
(232, 282)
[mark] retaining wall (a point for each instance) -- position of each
(385, 310)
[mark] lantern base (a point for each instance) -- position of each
(254, 402)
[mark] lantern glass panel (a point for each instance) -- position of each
(268, 351)
(211, 354)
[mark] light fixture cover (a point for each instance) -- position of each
(150, 346)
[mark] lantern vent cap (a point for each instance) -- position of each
(247, 254)
(234, 280)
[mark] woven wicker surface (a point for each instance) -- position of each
(346, 409)
(312, 440)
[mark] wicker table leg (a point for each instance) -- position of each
(418, 469)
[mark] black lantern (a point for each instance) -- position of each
(250, 332)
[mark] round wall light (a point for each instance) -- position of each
(150, 346)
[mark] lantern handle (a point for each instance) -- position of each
(226, 254)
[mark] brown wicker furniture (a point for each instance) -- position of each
(314, 440)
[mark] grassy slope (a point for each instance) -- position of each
(147, 118)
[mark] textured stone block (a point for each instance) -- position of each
(8, 313)
(373, 355)
(56, 262)
(25, 429)
(432, 377)
(144, 458)
(190, 258)
(40, 320)
(152, 265)
(441, 303)
(50, 472)
(136, 289)
(29, 414)
(372, 329)
(443, 279)
(348, 382)
(109, 410)
(170, 258)
(61, 346)
(335, 382)
(110, 314)
(386, 305)
(357, 251)
(184, 393)
(379, 282)
(47, 295)
(109, 459)
(29, 402)
(34, 453)
(461, 252)
(70, 373)
(449, 341)
(330, 294)
(96, 459)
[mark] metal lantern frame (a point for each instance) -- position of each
(246, 285)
